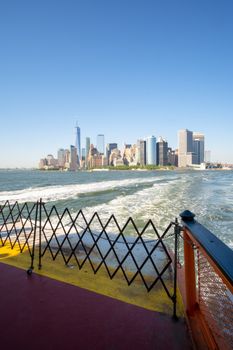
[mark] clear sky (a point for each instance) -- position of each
(124, 68)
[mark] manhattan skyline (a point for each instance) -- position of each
(125, 69)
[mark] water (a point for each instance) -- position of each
(156, 195)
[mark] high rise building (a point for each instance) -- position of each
(191, 148)
(186, 155)
(199, 146)
(88, 144)
(196, 150)
(162, 152)
(129, 154)
(109, 148)
(185, 141)
(67, 158)
(172, 157)
(115, 158)
(83, 153)
(100, 143)
(151, 150)
(51, 161)
(61, 156)
(78, 144)
(141, 152)
(73, 158)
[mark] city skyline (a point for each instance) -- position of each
(87, 142)
(125, 69)
(149, 152)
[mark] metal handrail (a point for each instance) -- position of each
(208, 268)
(217, 251)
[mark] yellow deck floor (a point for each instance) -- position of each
(136, 294)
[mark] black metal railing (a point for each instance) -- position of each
(18, 225)
(41, 230)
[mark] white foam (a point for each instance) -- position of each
(145, 204)
(55, 193)
(120, 250)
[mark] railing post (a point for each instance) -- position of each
(29, 271)
(189, 266)
(40, 210)
(176, 232)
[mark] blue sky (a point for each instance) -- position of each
(125, 68)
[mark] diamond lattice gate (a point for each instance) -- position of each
(136, 253)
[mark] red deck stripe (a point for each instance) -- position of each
(41, 313)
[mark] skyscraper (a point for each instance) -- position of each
(185, 141)
(61, 156)
(191, 148)
(141, 145)
(185, 151)
(88, 143)
(83, 153)
(73, 158)
(197, 150)
(78, 144)
(100, 143)
(151, 150)
(172, 157)
(199, 146)
(162, 152)
(109, 148)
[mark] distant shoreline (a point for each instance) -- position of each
(106, 169)
(139, 169)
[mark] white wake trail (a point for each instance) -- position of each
(56, 193)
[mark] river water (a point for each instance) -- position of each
(142, 195)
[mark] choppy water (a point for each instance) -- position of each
(157, 195)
